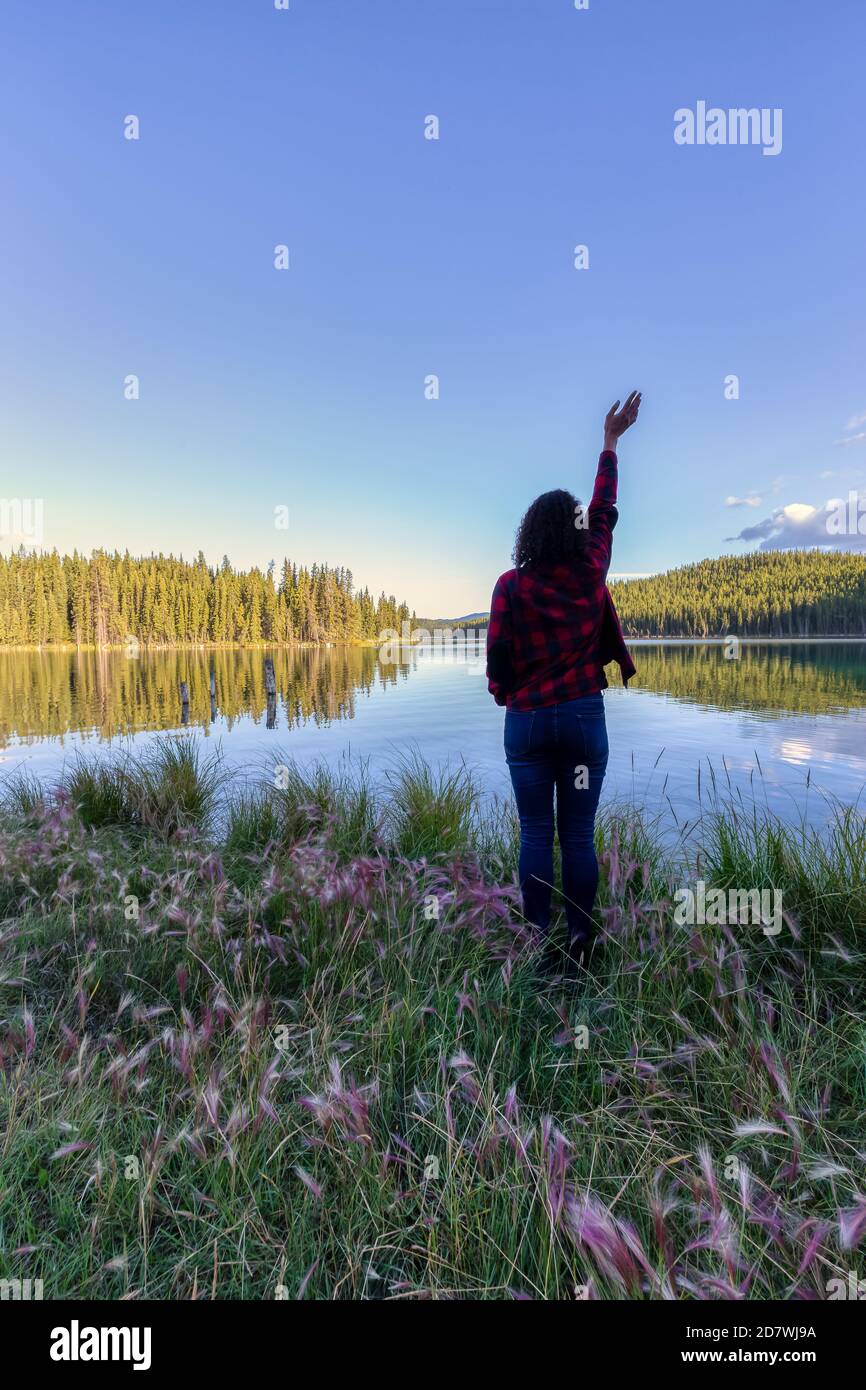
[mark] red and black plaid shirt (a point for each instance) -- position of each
(552, 631)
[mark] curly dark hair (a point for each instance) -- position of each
(551, 532)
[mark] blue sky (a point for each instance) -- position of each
(409, 257)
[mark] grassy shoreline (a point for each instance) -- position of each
(297, 1042)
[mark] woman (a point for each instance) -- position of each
(553, 628)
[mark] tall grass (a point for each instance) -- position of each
(295, 1042)
(169, 787)
(294, 802)
(22, 793)
(432, 810)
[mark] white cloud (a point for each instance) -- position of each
(798, 512)
(799, 525)
(753, 500)
(855, 422)
(853, 439)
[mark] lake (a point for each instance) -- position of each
(784, 722)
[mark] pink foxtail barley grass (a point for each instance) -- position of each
(311, 1050)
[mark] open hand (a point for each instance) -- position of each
(617, 420)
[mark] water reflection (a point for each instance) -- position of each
(797, 677)
(110, 694)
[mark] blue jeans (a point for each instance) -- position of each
(564, 747)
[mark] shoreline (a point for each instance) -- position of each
(743, 641)
(147, 649)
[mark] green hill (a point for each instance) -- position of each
(783, 593)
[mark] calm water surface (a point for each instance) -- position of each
(786, 723)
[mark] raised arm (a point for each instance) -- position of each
(602, 509)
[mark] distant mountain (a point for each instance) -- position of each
(468, 619)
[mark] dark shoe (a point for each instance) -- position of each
(552, 959)
(579, 952)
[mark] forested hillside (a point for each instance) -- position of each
(109, 598)
(783, 593)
